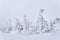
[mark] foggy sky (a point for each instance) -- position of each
(17, 8)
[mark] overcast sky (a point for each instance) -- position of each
(17, 8)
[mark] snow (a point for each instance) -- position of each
(42, 36)
(10, 9)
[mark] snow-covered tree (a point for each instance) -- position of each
(41, 22)
(27, 24)
(7, 28)
(19, 25)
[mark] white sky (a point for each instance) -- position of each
(16, 8)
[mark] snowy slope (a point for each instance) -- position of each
(42, 36)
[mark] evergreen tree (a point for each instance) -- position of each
(41, 22)
(27, 24)
(19, 26)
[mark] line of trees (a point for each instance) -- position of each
(29, 27)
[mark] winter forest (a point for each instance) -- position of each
(29, 19)
(27, 27)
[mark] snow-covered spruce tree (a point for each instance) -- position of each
(27, 24)
(19, 26)
(41, 22)
(7, 28)
(43, 25)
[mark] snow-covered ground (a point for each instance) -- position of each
(42, 36)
